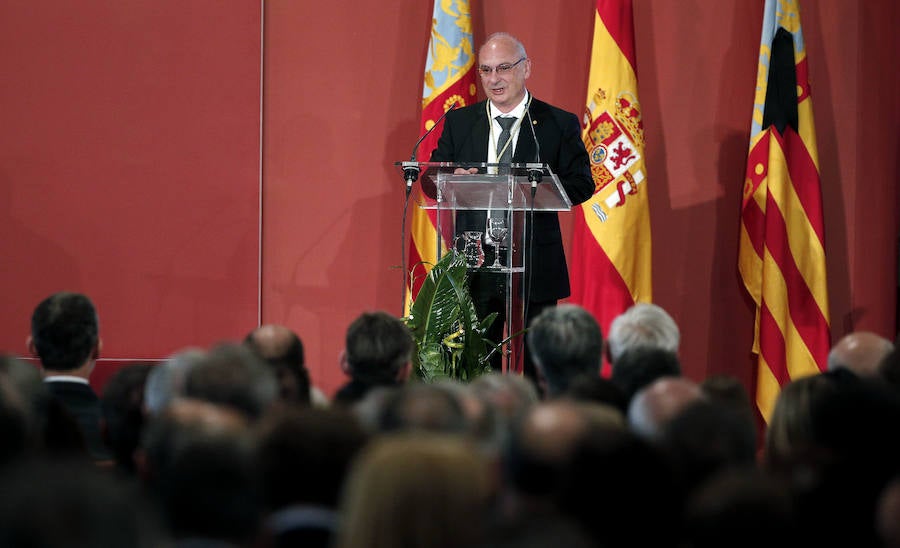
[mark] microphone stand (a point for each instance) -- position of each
(411, 168)
(535, 172)
(535, 175)
(411, 172)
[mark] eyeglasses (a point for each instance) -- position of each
(502, 68)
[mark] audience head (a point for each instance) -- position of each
(423, 407)
(483, 422)
(620, 489)
(369, 409)
(729, 391)
(197, 462)
(65, 332)
(565, 341)
(122, 404)
(378, 349)
(233, 375)
(16, 424)
(861, 352)
(853, 432)
(510, 395)
(304, 455)
(25, 401)
(166, 381)
(596, 389)
(706, 437)
(282, 349)
(415, 490)
(740, 508)
(63, 503)
(789, 442)
(639, 367)
(644, 324)
(887, 517)
(539, 450)
(653, 407)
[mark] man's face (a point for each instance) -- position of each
(505, 90)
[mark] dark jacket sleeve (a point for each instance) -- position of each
(574, 167)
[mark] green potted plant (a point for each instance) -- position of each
(448, 333)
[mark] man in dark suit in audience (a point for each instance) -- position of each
(65, 336)
(378, 352)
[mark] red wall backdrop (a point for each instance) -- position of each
(129, 168)
(166, 240)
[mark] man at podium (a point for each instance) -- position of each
(497, 131)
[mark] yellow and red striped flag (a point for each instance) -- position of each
(611, 253)
(782, 242)
(449, 78)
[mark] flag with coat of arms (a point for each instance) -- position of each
(611, 248)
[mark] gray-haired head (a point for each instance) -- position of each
(642, 325)
(166, 380)
(565, 342)
(234, 376)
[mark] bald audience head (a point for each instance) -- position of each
(276, 342)
(861, 352)
(282, 349)
(538, 451)
(654, 406)
(551, 429)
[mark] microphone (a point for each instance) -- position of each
(535, 173)
(410, 169)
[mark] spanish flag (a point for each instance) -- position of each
(611, 251)
(449, 78)
(782, 240)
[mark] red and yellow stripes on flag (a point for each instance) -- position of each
(782, 242)
(449, 78)
(611, 252)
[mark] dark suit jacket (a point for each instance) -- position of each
(83, 404)
(465, 139)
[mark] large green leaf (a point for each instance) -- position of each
(448, 333)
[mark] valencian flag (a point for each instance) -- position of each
(782, 246)
(449, 78)
(611, 235)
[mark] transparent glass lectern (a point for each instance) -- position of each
(506, 193)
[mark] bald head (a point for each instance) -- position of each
(539, 449)
(276, 343)
(860, 352)
(551, 430)
(281, 348)
(653, 407)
